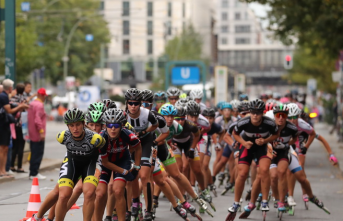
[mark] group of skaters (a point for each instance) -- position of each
(164, 141)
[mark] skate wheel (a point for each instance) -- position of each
(264, 214)
(213, 207)
(244, 215)
(280, 215)
(306, 205)
(230, 217)
(291, 211)
(197, 216)
(326, 210)
(209, 213)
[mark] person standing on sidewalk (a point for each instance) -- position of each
(5, 132)
(37, 128)
(27, 92)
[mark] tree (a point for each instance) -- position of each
(184, 47)
(317, 24)
(42, 35)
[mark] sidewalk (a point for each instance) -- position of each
(337, 148)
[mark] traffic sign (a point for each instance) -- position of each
(185, 75)
(221, 83)
(25, 6)
(89, 37)
(336, 76)
(311, 84)
(86, 96)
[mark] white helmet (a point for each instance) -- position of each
(270, 114)
(294, 110)
(235, 104)
(196, 94)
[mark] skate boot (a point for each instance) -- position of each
(232, 212)
(128, 216)
(221, 178)
(203, 205)
(147, 216)
(248, 196)
(291, 205)
(205, 194)
(228, 187)
(258, 201)
(135, 211)
(320, 204)
(213, 190)
(305, 199)
(181, 212)
(191, 209)
(247, 210)
(114, 215)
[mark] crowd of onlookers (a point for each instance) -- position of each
(22, 119)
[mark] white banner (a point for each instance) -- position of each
(221, 83)
(86, 96)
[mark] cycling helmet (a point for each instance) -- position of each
(280, 108)
(97, 106)
(257, 105)
(173, 91)
(109, 103)
(183, 95)
(235, 103)
(160, 95)
(196, 94)
(147, 95)
(226, 105)
(181, 111)
(210, 112)
(94, 116)
(73, 115)
(193, 108)
(269, 106)
(294, 110)
(168, 110)
(114, 115)
(219, 104)
(243, 97)
(133, 94)
(264, 96)
(270, 114)
(181, 102)
(243, 106)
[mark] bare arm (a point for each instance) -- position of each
(111, 166)
(310, 139)
(138, 153)
(196, 138)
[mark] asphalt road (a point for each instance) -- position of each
(14, 195)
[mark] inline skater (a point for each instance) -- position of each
(160, 98)
(258, 132)
(197, 95)
(173, 94)
(235, 104)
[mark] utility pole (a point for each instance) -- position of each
(10, 40)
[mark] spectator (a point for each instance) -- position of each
(27, 91)
(37, 128)
(5, 131)
(19, 142)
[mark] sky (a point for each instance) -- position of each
(260, 11)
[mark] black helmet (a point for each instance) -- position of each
(243, 106)
(181, 111)
(160, 95)
(109, 103)
(114, 115)
(193, 108)
(257, 105)
(73, 115)
(133, 94)
(209, 112)
(147, 95)
(173, 91)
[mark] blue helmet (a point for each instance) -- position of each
(219, 104)
(168, 110)
(226, 105)
(243, 97)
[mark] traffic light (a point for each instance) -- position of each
(288, 62)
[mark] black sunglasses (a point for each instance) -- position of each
(134, 103)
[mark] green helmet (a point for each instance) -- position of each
(94, 117)
(97, 106)
(73, 115)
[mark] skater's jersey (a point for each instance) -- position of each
(203, 123)
(141, 123)
(162, 124)
(174, 130)
(225, 123)
(115, 149)
(286, 134)
(189, 128)
(215, 129)
(266, 128)
(88, 146)
(303, 126)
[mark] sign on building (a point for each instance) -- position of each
(185, 75)
(221, 83)
(86, 96)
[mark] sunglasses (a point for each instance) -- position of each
(113, 125)
(146, 104)
(180, 119)
(283, 115)
(256, 112)
(173, 98)
(136, 103)
(293, 118)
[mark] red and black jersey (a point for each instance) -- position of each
(114, 149)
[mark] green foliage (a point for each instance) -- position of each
(42, 35)
(317, 24)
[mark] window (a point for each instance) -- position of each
(150, 7)
(126, 8)
(224, 16)
(246, 16)
(126, 27)
(237, 3)
(102, 5)
(225, 29)
(183, 10)
(126, 46)
(224, 41)
(150, 28)
(169, 9)
(225, 3)
(242, 28)
(237, 16)
(241, 41)
(169, 28)
(150, 47)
